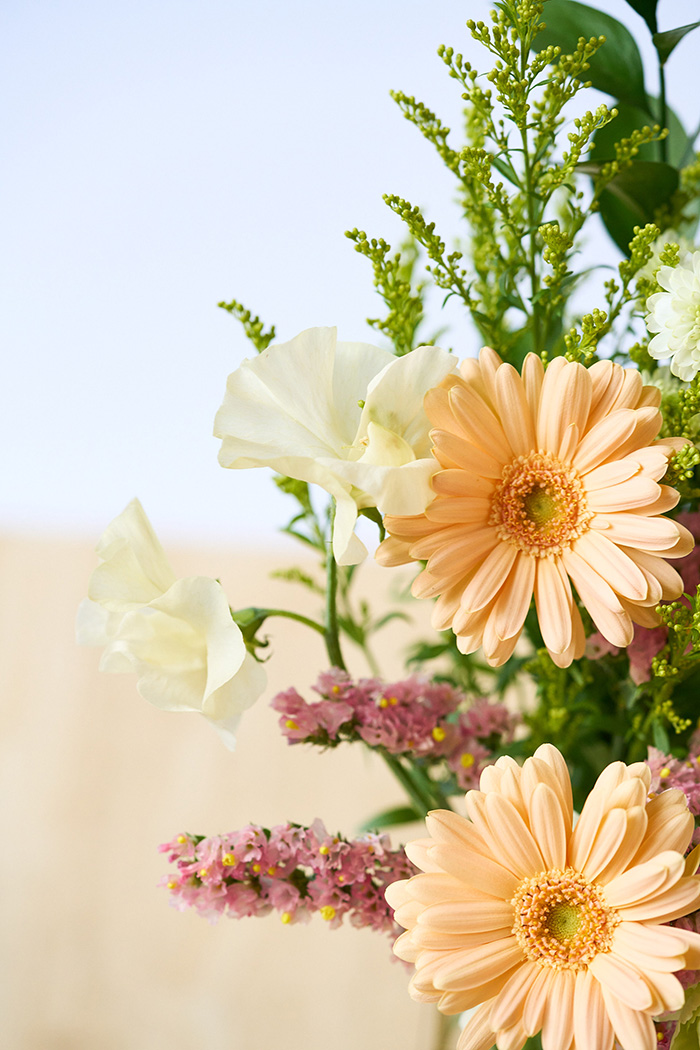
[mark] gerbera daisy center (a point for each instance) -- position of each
(562, 920)
(540, 505)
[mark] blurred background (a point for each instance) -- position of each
(161, 157)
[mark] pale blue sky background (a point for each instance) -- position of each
(160, 156)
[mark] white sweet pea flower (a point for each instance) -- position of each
(674, 315)
(345, 416)
(176, 635)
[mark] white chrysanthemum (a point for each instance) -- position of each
(674, 315)
(345, 416)
(176, 635)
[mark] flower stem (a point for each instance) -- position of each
(663, 113)
(330, 632)
(319, 627)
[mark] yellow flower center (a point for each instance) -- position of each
(539, 505)
(562, 920)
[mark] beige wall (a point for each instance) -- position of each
(93, 957)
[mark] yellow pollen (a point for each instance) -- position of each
(182, 839)
(291, 724)
(393, 700)
(286, 917)
(467, 760)
(383, 702)
(203, 872)
(665, 772)
(341, 878)
(256, 868)
(438, 734)
(327, 912)
(324, 850)
(172, 885)
(335, 689)
(272, 870)
(228, 860)
(562, 920)
(540, 505)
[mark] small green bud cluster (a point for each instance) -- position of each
(252, 325)
(393, 280)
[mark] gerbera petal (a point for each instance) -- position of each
(489, 577)
(628, 495)
(608, 839)
(476, 871)
(506, 833)
(457, 1002)
(462, 453)
(455, 482)
(514, 411)
(647, 425)
(468, 510)
(516, 595)
(477, 1033)
(592, 1028)
(553, 600)
(647, 947)
(509, 1003)
(559, 1013)
(577, 646)
(547, 824)
(471, 966)
(533, 377)
(670, 825)
(540, 990)
(548, 399)
(469, 917)
(637, 530)
(643, 881)
(599, 442)
(653, 565)
(477, 422)
(634, 1029)
(623, 979)
(635, 829)
(664, 907)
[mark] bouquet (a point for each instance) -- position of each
(546, 495)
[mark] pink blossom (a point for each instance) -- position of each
(290, 869)
(415, 717)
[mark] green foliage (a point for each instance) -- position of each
(568, 21)
(393, 279)
(666, 42)
(252, 325)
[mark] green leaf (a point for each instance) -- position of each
(660, 737)
(647, 9)
(666, 42)
(616, 68)
(389, 818)
(631, 118)
(633, 198)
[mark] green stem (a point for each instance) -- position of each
(663, 113)
(422, 801)
(532, 218)
(330, 632)
(294, 616)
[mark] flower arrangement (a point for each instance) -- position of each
(546, 494)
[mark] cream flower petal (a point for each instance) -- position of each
(533, 377)
(514, 411)
(457, 1002)
(553, 601)
(514, 601)
(558, 1021)
(622, 979)
(541, 989)
(489, 577)
(634, 1030)
(478, 1033)
(134, 568)
(477, 423)
(644, 881)
(548, 826)
(592, 1027)
(479, 917)
(670, 826)
(508, 1005)
(471, 966)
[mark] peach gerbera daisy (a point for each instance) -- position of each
(552, 929)
(546, 480)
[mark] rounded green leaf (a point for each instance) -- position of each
(634, 197)
(616, 68)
